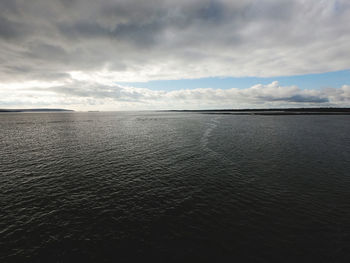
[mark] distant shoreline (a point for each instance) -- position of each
(272, 111)
(35, 110)
(275, 111)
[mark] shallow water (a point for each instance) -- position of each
(174, 187)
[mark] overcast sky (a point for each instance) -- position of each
(93, 55)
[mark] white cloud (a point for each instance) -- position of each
(85, 95)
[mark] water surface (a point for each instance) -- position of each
(101, 187)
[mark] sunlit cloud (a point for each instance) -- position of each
(108, 96)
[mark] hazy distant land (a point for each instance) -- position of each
(35, 110)
(273, 111)
(276, 111)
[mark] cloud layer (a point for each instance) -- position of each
(70, 51)
(129, 40)
(90, 95)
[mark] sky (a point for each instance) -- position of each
(183, 54)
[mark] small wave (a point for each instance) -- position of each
(69, 121)
(207, 134)
(204, 142)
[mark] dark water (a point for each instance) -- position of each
(174, 187)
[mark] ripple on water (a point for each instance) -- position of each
(174, 187)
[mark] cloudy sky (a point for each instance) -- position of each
(174, 54)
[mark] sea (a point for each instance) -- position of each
(174, 187)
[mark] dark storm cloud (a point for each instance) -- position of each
(306, 99)
(299, 98)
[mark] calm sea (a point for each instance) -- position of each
(174, 187)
